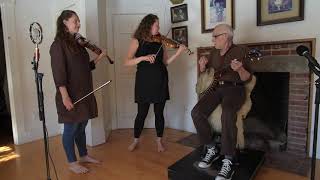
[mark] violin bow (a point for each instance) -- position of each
(161, 44)
(91, 92)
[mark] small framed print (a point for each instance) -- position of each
(279, 11)
(214, 12)
(180, 34)
(179, 13)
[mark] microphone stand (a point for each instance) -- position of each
(316, 115)
(38, 81)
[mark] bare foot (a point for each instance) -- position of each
(88, 159)
(161, 148)
(77, 168)
(134, 145)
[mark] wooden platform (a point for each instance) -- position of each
(186, 168)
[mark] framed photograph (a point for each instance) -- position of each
(215, 12)
(179, 13)
(180, 34)
(279, 11)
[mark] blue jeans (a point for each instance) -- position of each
(74, 133)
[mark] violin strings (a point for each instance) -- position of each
(158, 50)
(161, 44)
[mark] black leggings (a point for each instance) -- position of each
(143, 109)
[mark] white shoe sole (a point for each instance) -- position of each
(204, 165)
(222, 178)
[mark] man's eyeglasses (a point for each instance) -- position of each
(215, 36)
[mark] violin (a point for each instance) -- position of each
(85, 43)
(167, 42)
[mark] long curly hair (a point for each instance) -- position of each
(144, 28)
(62, 33)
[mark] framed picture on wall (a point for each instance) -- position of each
(279, 11)
(179, 13)
(215, 12)
(180, 34)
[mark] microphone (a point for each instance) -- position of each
(304, 51)
(35, 32)
(82, 41)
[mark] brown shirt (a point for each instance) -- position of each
(218, 62)
(73, 70)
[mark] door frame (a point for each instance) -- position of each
(116, 80)
(12, 67)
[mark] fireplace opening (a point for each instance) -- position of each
(266, 124)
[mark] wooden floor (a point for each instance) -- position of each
(26, 161)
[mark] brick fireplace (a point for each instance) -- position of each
(281, 57)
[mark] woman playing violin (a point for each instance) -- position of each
(151, 83)
(71, 69)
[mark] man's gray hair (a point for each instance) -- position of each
(227, 29)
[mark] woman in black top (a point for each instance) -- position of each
(151, 85)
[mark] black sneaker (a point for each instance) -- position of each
(211, 156)
(227, 170)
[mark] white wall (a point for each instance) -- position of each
(25, 14)
(95, 32)
(102, 24)
(183, 73)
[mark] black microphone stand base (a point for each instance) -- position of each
(38, 81)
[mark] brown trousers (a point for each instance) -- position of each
(231, 99)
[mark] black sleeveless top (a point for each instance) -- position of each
(151, 85)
